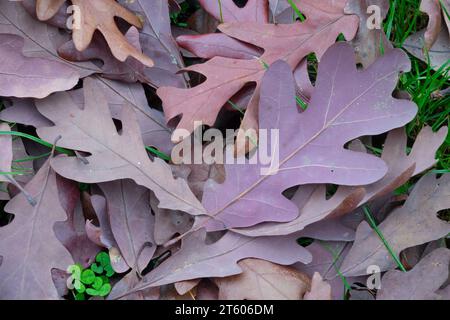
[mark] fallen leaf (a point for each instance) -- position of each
(151, 121)
(102, 234)
(420, 283)
(169, 223)
(41, 40)
(327, 257)
(23, 76)
(46, 9)
(131, 221)
(433, 9)
(130, 70)
(228, 11)
(278, 6)
(196, 259)
(438, 54)
(320, 289)
(29, 246)
(413, 224)
(263, 280)
(315, 155)
(113, 156)
(99, 15)
(208, 46)
(157, 42)
(183, 287)
(315, 206)
(23, 111)
(370, 44)
(71, 233)
(127, 283)
(225, 77)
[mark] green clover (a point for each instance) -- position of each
(88, 276)
(99, 288)
(104, 265)
(74, 280)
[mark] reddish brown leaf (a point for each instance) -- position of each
(263, 280)
(225, 77)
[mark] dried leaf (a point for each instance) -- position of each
(46, 9)
(315, 155)
(320, 289)
(228, 11)
(99, 15)
(438, 54)
(131, 221)
(327, 259)
(420, 283)
(209, 46)
(29, 246)
(169, 223)
(71, 233)
(433, 9)
(127, 283)
(225, 76)
(151, 121)
(24, 111)
(41, 40)
(413, 224)
(113, 156)
(130, 70)
(314, 206)
(196, 259)
(278, 6)
(23, 76)
(263, 280)
(157, 42)
(370, 43)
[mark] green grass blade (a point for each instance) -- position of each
(37, 140)
(158, 153)
(220, 10)
(296, 10)
(336, 268)
(382, 238)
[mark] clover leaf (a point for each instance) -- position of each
(88, 276)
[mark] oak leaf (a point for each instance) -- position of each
(23, 76)
(99, 15)
(228, 11)
(421, 283)
(415, 223)
(46, 9)
(40, 40)
(197, 259)
(263, 280)
(316, 153)
(225, 76)
(29, 247)
(113, 156)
